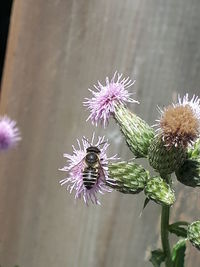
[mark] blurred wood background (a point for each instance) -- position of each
(56, 50)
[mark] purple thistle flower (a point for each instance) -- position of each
(104, 101)
(9, 133)
(75, 168)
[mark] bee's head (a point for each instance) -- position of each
(94, 149)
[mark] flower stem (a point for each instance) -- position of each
(165, 235)
(165, 229)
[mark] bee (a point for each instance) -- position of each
(92, 166)
(91, 171)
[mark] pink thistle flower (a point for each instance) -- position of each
(104, 101)
(76, 164)
(9, 133)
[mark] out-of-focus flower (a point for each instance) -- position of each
(179, 124)
(104, 101)
(193, 234)
(9, 133)
(76, 165)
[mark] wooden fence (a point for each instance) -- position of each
(56, 50)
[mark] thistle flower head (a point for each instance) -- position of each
(76, 165)
(9, 133)
(179, 124)
(106, 97)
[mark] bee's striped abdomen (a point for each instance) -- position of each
(90, 176)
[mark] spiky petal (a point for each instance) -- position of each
(103, 103)
(74, 182)
(194, 104)
(9, 133)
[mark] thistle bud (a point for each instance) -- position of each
(129, 178)
(193, 234)
(165, 159)
(138, 134)
(189, 173)
(159, 191)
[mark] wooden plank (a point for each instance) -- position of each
(57, 49)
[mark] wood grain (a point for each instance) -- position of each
(57, 49)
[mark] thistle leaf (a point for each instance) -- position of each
(178, 253)
(177, 230)
(189, 173)
(157, 257)
(146, 202)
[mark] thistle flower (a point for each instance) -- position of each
(76, 164)
(104, 101)
(9, 133)
(179, 124)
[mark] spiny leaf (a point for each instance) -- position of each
(157, 257)
(176, 228)
(178, 253)
(146, 202)
(183, 223)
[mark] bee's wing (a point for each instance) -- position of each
(111, 182)
(101, 170)
(79, 166)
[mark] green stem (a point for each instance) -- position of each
(165, 228)
(165, 235)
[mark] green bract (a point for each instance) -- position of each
(194, 152)
(194, 234)
(137, 132)
(129, 178)
(189, 173)
(159, 191)
(164, 159)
